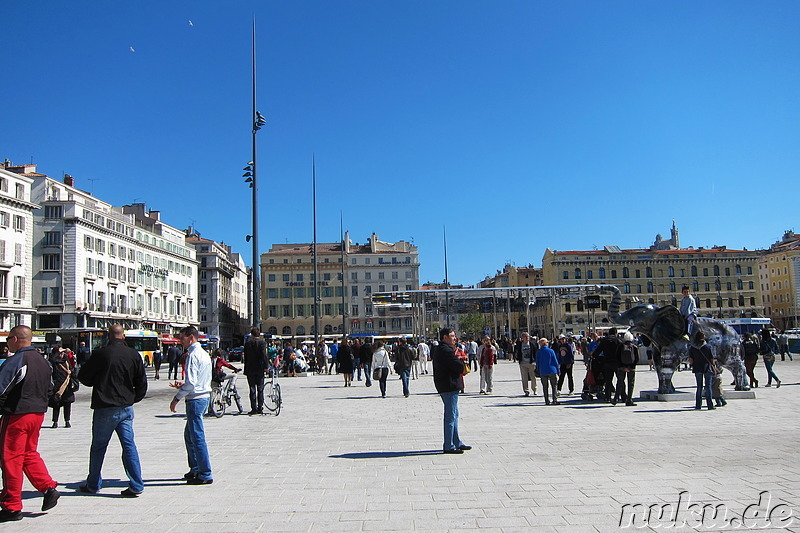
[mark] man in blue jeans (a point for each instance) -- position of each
(116, 373)
(447, 371)
(196, 390)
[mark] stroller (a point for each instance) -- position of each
(594, 382)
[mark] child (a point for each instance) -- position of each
(716, 386)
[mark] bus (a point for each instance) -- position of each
(747, 325)
(93, 337)
(143, 341)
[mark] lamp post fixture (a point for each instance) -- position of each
(250, 176)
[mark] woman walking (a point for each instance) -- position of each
(750, 353)
(62, 385)
(769, 347)
(345, 359)
(380, 365)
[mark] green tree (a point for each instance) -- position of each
(472, 324)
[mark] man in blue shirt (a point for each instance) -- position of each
(547, 363)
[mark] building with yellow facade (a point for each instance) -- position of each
(779, 272)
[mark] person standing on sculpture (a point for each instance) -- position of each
(25, 387)
(196, 391)
(116, 373)
(256, 363)
(688, 309)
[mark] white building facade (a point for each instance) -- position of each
(16, 245)
(97, 265)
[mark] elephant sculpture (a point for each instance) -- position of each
(665, 328)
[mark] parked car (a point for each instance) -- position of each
(236, 354)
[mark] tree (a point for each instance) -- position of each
(473, 323)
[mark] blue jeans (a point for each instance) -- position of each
(703, 389)
(194, 436)
(368, 372)
(105, 422)
(405, 375)
(770, 373)
(451, 438)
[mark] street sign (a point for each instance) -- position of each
(593, 301)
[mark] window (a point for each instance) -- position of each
(395, 275)
(671, 272)
(355, 310)
(51, 262)
(716, 270)
(705, 272)
(589, 274)
(286, 293)
(272, 293)
(301, 310)
(381, 288)
(203, 288)
(738, 270)
(354, 276)
(395, 288)
(327, 309)
(367, 275)
(601, 273)
(577, 273)
(51, 295)
(326, 277)
(52, 211)
(19, 191)
(625, 272)
(272, 311)
(381, 275)
(649, 272)
(18, 253)
(695, 286)
(3, 219)
(694, 271)
(327, 292)
(367, 290)
(638, 273)
(286, 277)
(19, 287)
(626, 288)
(19, 223)
(299, 292)
(672, 287)
(287, 330)
(299, 277)
(727, 271)
(565, 275)
(354, 290)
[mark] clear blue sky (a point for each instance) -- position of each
(521, 125)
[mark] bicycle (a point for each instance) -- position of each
(272, 392)
(222, 394)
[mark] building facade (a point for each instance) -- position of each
(16, 249)
(221, 291)
(96, 264)
(724, 282)
(779, 276)
(348, 277)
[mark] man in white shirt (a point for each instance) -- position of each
(196, 390)
(424, 352)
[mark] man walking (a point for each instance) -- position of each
(472, 354)
(196, 390)
(403, 363)
(173, 358)
(525, 352)
(424, 351)
(82, 355)
(547, 363)
(116, 373)
(255, 365)
(566, 359)
(25, 386)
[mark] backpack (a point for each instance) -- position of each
(626, 354)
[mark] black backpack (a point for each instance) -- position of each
(626, 354)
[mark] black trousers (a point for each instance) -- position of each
(622, 376)
(256, 384)
(566, 372)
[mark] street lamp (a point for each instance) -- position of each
(250, 178)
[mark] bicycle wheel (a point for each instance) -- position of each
(238, 400)
(276, 396)
(269, 395)
(217, 406)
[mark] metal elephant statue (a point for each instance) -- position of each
(665, 327)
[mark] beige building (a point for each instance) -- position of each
(779, 277)
(513, 312)
(347, 280)
(724, 282)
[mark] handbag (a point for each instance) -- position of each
(467, 369)
(55, 398)
(74, 384)
(376, 374)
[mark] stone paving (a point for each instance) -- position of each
(343, 459)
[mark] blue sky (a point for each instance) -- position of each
(520, 125)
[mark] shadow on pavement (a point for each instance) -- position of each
(385, 455)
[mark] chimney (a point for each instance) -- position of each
(69, 180)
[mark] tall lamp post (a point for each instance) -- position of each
(250, 177)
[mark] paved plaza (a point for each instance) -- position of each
(343, 459)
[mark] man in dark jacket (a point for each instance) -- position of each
(609, 346)
(256, 363)
(25, 387)
(402, 365)
(566, 359)
(447, 371)
(116, 372)
(174, 359)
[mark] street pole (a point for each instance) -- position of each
(344, 303)
(314, 250)
(258, 121)
(446, 280)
